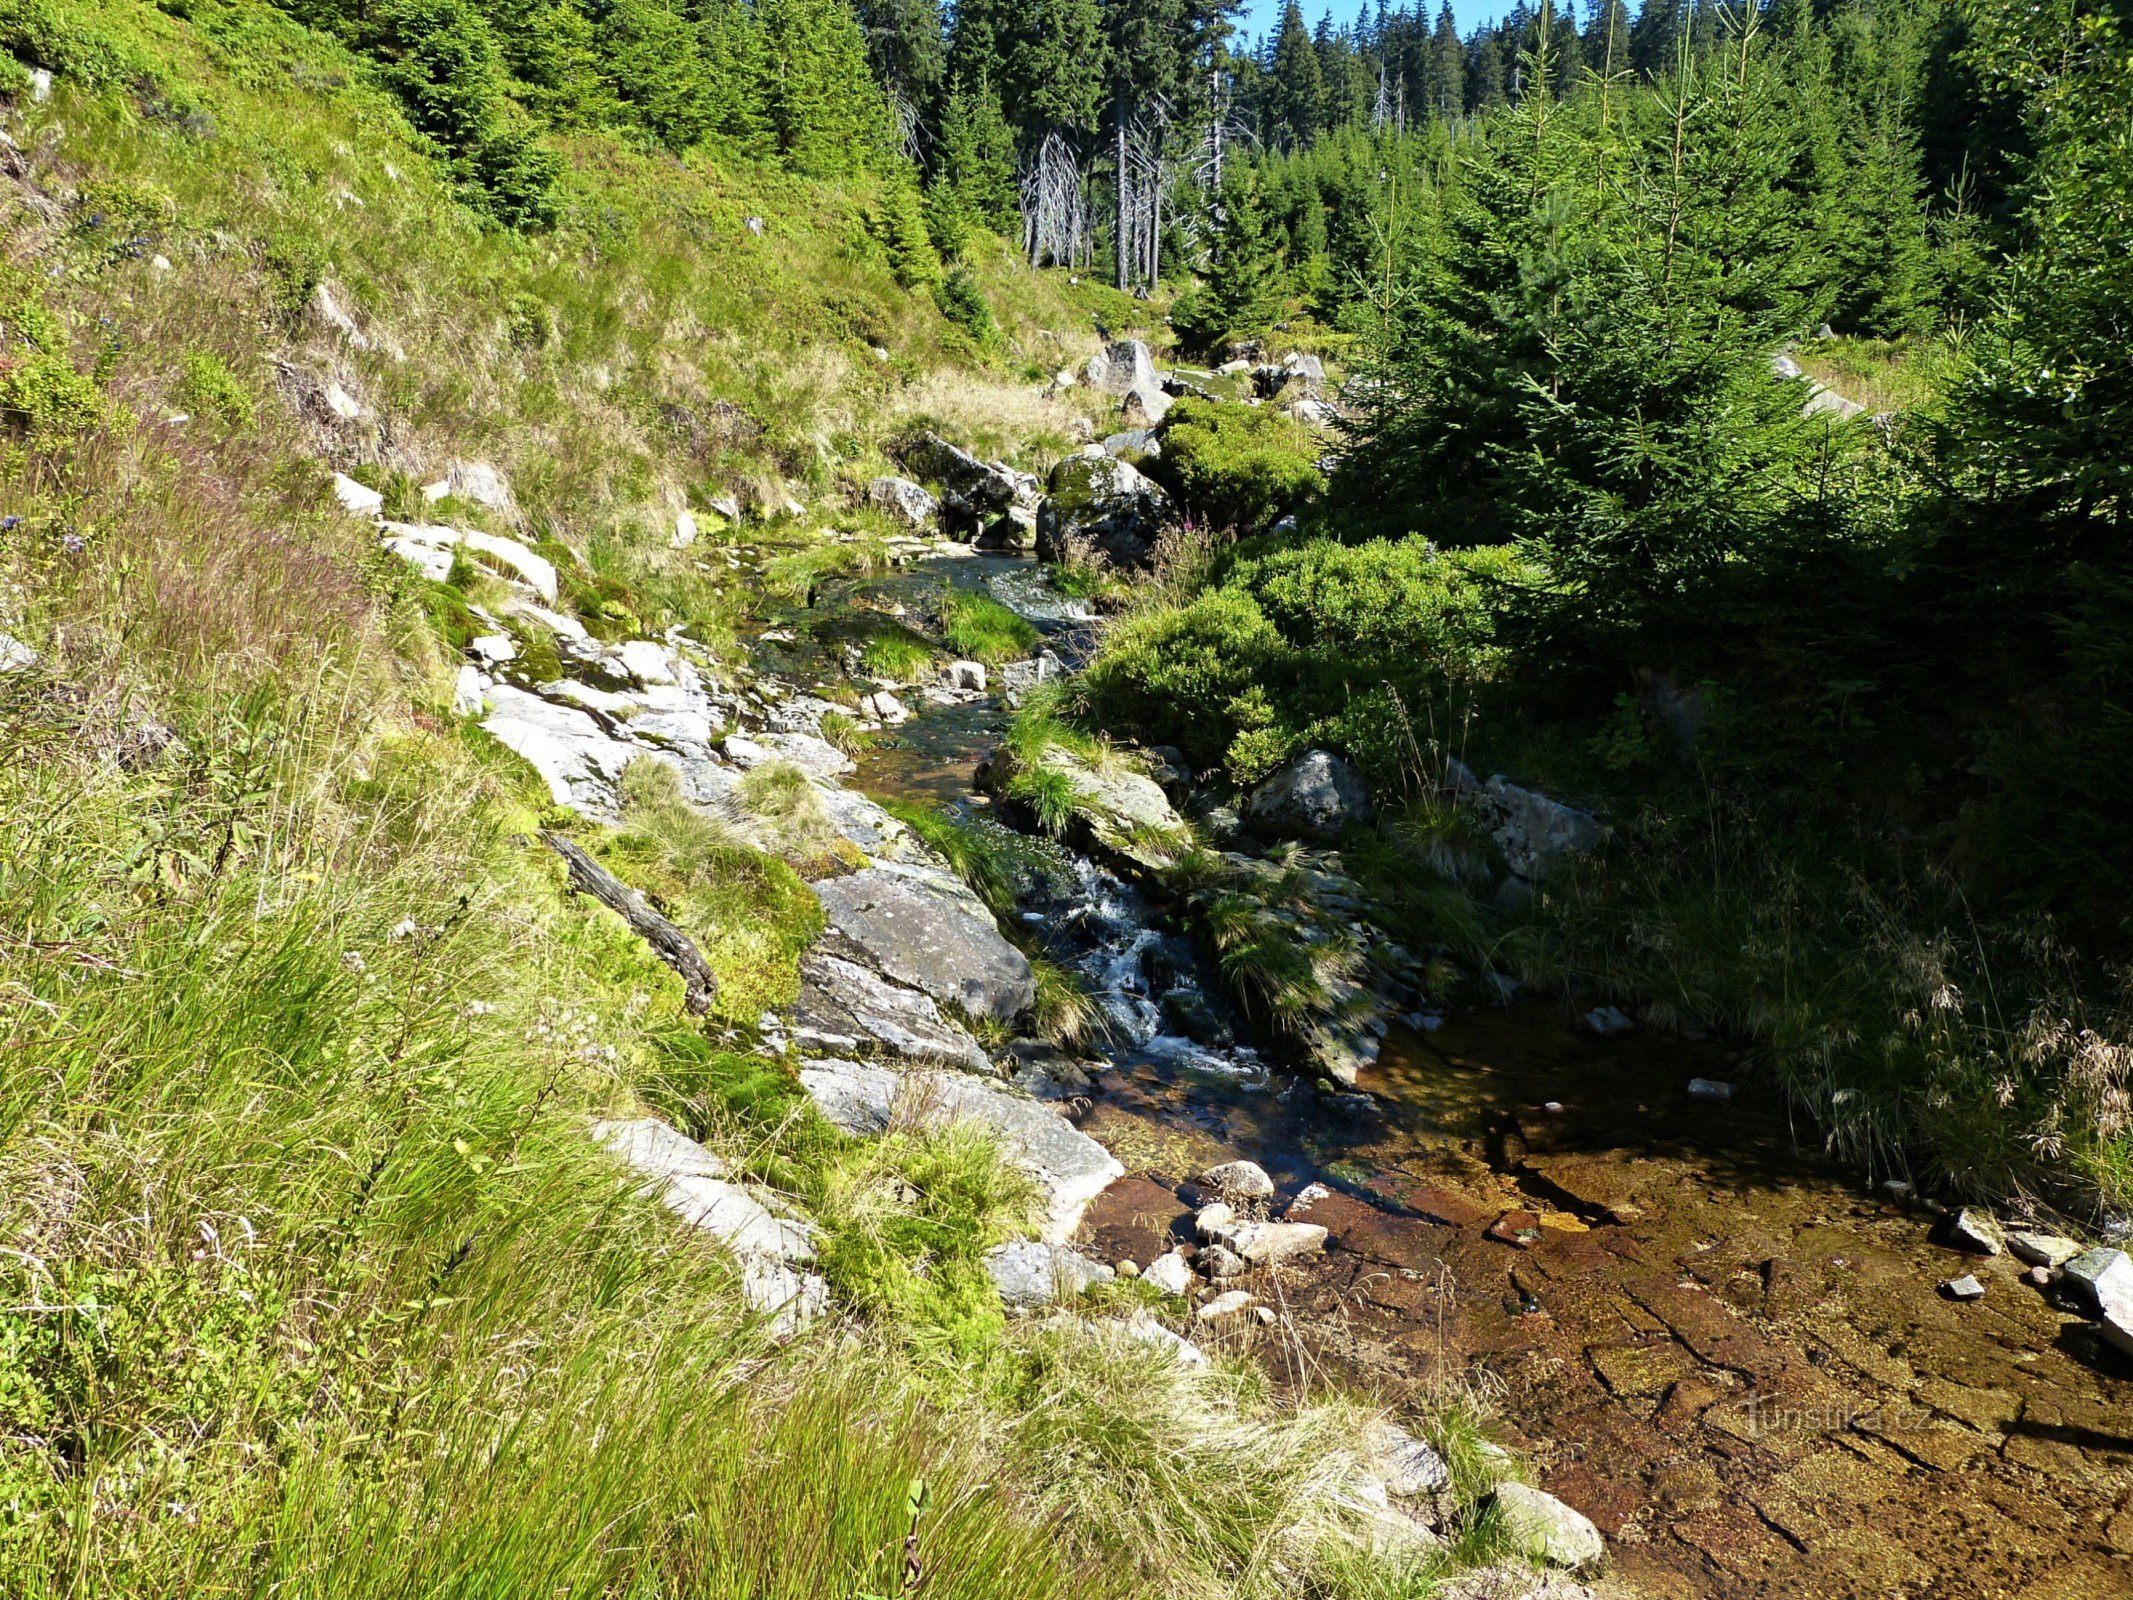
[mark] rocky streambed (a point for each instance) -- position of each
(1735, 1360)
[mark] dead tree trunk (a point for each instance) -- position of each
(668, 942)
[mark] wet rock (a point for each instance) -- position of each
(1100, 510)
(843, 1006)
(1314, 796)
(818, 758)
(1069, 1167)
(910, 503)
(1117, 811)
(1030, 1273)
(1712, 1089)
(884, 707)
(1541, 1526)
(1521, 1228)
(1239, 1180)
(1608, 1021)
(1976, 1231)
(1268, 1244)
(927, 931)
(1192, 1014)
(1226, 1304)
(1963, 1288)
(2042, 1249)
(1143, 1330)
(1171, 1273)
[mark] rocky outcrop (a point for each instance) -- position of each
(1532, 830)
(1126, 369)
(1070, 1169)
(845, 1006)
(1315, 796)
(924, 929)
(910, 503)
(1030, 1273)
(974, 493)
(772, 1246)
(1100, 510)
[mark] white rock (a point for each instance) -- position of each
(1267, 1244)
(684, 533)
(1029, 1272)
(1226, 1304)
(1239, 1180)
(726, 506)
(493, 649)
(355, 497)
(1213, 1223)
(2102, 1275)
(40, 85)
(1608, 1021)
(434, 562)
(538, 571)
(647, 662)
(1715, 1089)
(340, 402)
(1976, 1230)
(329, 312)
(2042, 1249)
(1219, 1261)
(1539, 1525)
(1143, 1330)
(160, 263)
(1964, 1288)
(567, 747)
(14, 654)
(1070, 1168)
(966, 675)
(1171, 1273)
(467, 697)
(884, 707)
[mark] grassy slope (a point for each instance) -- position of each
(309, 1280)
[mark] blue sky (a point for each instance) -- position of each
(1262, 16)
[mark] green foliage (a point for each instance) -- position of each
(979, 628)
(898, 225)
(1237, 466)
(749, 913)
(962, 302)
(210, 387)
(51, 404)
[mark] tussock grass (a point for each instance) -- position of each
(978, 627)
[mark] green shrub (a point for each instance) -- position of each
(62, 39)
(211, 388)
(962, 302)
(1174, 677)
(49, 401)
(1237, 466)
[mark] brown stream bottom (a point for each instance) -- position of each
(1710, 1340)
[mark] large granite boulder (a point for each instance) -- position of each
(910, 503)
(920, 927)
(1100, 510)
(973, 492)
(1315, 796)
(1070, 1168)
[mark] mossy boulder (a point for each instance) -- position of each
(1101, 511)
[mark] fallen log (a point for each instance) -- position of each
(668, 942)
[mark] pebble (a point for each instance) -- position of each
(1171, 1273)
(1964, 1288)
(1127, 1268)
(1223, 1262)
(2040, 1276)
(1211, 1222)
(1608, 1021)
(1554, 1108)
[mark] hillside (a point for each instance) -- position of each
(708, 889)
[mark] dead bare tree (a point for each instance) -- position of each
(1055, 206)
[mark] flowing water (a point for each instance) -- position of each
(1722, 1347)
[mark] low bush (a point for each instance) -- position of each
(1237, 466)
